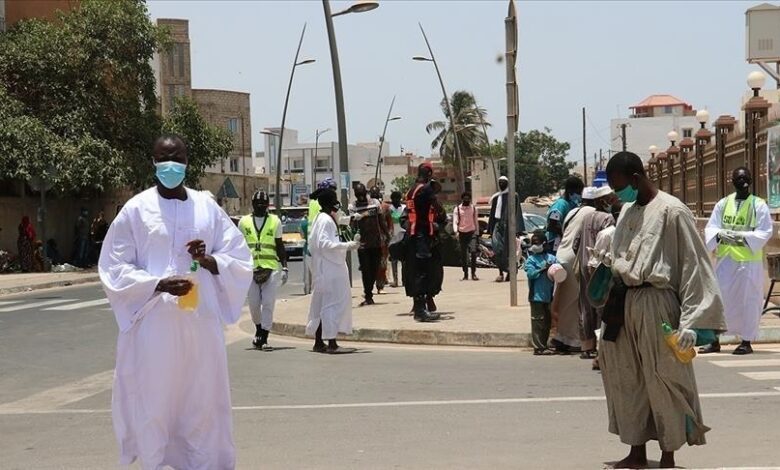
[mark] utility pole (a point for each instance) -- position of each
(584, 151)
(601, 159)
(623, 135)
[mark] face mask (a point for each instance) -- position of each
(576, 199)
(627, 194)
(536, 249)
(170, 174)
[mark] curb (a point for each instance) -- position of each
(463, 338)
(48, 285)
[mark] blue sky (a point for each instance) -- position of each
(605, 56)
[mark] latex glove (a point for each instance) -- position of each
(729, 236)
(285, 275)
(357, 216)
(686, 339)
(353, 245)
(356, 238)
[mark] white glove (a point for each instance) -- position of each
(356, 238)
(356, 216)
(353, 245)
(686, 339)
(285, 275)
(731, 236)
(344, 220)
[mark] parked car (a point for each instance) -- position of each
(292, 236)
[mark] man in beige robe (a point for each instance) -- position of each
(659, 256)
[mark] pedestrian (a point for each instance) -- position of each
(263, 234)
(314, 210)
(330, 312)
(739, 227)
(540, 291)
(423, 271)
(52, 252)
(566, 300)
(171, 395)
(556, 215)
(498, 226)
(662, 270)
(25, 244)
(466, 224)
(81, 241)
(397, 208)
(368, 221)
(384, 213)
(97, 232)
(592, 224)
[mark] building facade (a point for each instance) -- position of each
(12, 11)
(650, 121)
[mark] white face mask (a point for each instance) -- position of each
(536, 249)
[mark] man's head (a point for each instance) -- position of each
(375, 192)
(503, 183)
(604, 199)
(170, 160)
(329, 201)
(327, 183)
(465, 198)
(626, 176)
(538, 239)
(425, 171)
(741, 179)
(260, 203)
(395, 198)
(361, 193)
(573, 187)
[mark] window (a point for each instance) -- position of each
(687, 132)
(233, 125)
(171, 96)
(180, 58)
(296, 165)
(322, 164)
(234, 165)
(176, 60)
(667, 110)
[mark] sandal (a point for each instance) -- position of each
(588, 354)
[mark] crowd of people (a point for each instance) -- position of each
(616, 266)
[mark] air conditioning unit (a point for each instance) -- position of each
(762, 35)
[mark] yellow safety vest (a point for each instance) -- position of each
(742, 220)
(263, 248)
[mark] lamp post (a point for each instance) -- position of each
(377, 170)
(702, 136)
(357, 7)
(653, 162)
(671, 154)
(686, 147)
(317, 135)
(487, 143)
(296, 63)
(755, 108)
(459, 158)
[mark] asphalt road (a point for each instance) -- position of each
(385, 407)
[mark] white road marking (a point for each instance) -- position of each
(400, 404)
(79, 305)
(9, 302)
(42, 303)
(770, 375)
(747, 363)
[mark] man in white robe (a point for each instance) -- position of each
(171, 396)
(330, 312)
(663, 274)
(739, 227)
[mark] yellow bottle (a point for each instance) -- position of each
(671, 337)
(189, 301)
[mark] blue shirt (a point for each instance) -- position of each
(540, 287)
(558, 211)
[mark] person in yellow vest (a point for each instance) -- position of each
(263, 234)
(739, 227)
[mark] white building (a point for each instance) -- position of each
(304, 165)
(649, 123)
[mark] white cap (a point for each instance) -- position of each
(504, 178)
(601, 192)
(587, 193)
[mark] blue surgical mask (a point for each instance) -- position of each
(170, 174)
(627, 194)
(576, 199)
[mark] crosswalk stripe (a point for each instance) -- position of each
(76, 306)
(770, 375)
(9, 302)
(747, 363)
(42, 303)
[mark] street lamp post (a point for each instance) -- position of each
(459, 158)
(686, 147)
(487, 143)
(755, 108)
(296, 63)
(379, 159)
(653, 162)
(317, 135)
(671, 154)
(703, 136)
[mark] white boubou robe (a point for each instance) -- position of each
(171, 396)
(742, 283)
(331, 300)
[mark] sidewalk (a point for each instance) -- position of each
(472, 314)
(24, 282)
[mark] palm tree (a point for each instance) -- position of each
(468, 118)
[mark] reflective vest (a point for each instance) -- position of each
(263, 248)
(742, 220)
(413, 213)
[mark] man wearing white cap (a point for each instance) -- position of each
(498, 228)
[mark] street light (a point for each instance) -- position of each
(754, 108)
(756, 81)
(296, 63)
(653, 162)
(671, 153)
(703, 136)
(377, 171)
(358, 7)
(432, 58)
(317, 134)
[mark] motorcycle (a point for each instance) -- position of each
(486, 256)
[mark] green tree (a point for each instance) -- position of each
(403, 183)
(540, 162)
(77, 96)
(206, 144)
